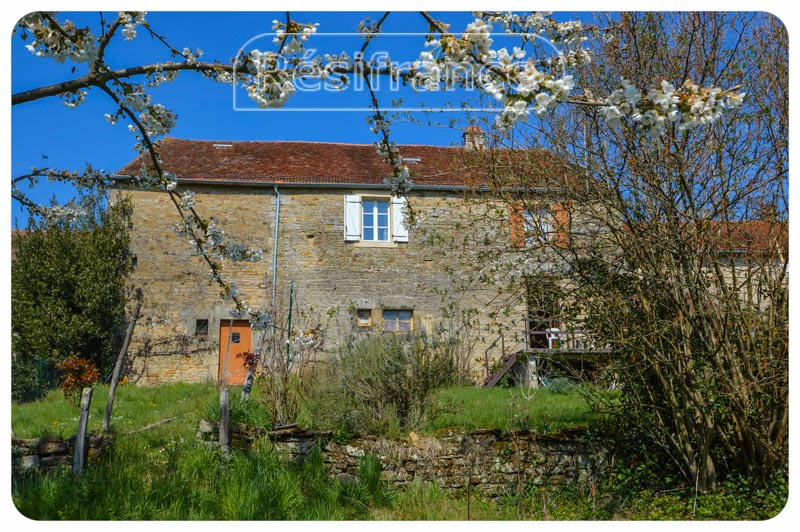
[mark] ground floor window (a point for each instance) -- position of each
(398, 320)
(201, 330)
(364, 317)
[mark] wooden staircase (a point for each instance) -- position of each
(495, 377)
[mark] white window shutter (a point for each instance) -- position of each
(352, 218)
(399, 229)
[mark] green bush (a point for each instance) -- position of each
(68, 280)
(382, 384)
(562, 385)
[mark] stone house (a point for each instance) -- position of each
(330, 228)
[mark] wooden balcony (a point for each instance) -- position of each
(546, 348)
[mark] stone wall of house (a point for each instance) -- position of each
(332, 277)
(52, 452)
(491, 461)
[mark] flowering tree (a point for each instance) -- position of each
(522, 81)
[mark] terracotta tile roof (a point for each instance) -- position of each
(311, 162)
(754, 236)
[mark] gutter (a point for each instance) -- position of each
(349, 186)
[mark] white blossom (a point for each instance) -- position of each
(129, 31)
(188, 200)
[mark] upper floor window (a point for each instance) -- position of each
(374, 219)
(538, 224)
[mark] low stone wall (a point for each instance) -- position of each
(491, 461)
(52, 452)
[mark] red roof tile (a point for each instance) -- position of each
(310, 162)
(753, 236)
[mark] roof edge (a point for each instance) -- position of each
(323, 184)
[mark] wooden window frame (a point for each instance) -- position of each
(397, 321)
(537, 223)
(375, 213)
(359, 317)
(354, 226)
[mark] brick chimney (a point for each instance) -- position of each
(474, 138)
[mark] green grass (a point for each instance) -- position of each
(165, 474)
(134, 407)
(186, 481)
(507, 409)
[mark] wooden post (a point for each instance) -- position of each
(224, 380)
(224, 422)
(120, 358)
(248, 384)
(80, 438)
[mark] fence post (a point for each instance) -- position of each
(224, 422)
(112, 390)
(80, 438)
(248, 385)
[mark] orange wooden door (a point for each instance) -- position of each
(233, 340)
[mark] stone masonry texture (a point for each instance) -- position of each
(332, 277)
(491, 461)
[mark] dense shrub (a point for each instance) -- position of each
(68, 280)
(251, 413)
(382, 383)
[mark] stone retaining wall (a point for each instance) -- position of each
(52, 452)
(491, 461)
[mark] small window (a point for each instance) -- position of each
(398, 321)
(364, 317)
(201, 330)
(236, 338)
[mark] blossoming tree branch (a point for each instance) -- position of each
(522, 81)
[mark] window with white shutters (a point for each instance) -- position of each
(352, 218)
(374, 219)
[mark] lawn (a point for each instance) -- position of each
(509, 409)
(135, 407)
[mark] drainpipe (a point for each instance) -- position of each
(275, 270)
(275, 247)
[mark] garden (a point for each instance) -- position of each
(157, 469)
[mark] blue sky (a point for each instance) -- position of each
(47, 133)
